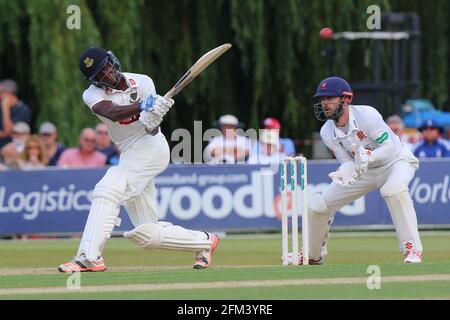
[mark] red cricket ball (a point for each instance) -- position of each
(326, 33)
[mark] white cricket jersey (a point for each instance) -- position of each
(125, 132)
(365, 127)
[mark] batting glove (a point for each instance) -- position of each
(147, 104)
(162, 105)
(150, 120)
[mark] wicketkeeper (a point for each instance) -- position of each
(371, 157)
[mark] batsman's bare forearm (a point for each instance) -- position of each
(114, 112)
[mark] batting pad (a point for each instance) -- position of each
(404, 218)
(101, 221)
(104, 212)
(319, 232)
(169, 237)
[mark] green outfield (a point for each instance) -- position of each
(244, 267)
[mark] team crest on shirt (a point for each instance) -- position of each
(133, 97)
(361, 135)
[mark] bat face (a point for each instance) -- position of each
(197, 68)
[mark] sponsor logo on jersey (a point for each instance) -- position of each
(130, 120)
(382, 138)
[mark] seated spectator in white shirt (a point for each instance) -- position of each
(269, 148)
(20, 134)
(229, 147)
(286, 144)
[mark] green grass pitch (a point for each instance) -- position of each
(244, 267)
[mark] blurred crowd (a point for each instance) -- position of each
(427, 142)
(21, 149)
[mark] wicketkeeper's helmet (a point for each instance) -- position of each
(332, 87)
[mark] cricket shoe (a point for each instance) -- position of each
(204, 258)
(81, 264)
(312, 262)
(413, 256)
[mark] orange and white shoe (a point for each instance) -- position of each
(81, 264)
(204, 258)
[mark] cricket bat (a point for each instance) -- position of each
(197, 68)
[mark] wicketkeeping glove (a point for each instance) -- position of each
(345, 175)
(362, 159)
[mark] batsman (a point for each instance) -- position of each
(371, 157)
(132, 111)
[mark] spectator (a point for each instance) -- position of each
(34, 156)
(269, 148)
(20, 134)
(85, 155)
(230, 147)
(10, 157)
(49, 138)
(396, 124)
(105, 146)
(432, 145)
(12, 110)
(286, 144)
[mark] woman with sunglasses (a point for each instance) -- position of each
(34, 155)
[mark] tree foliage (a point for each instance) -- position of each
(272, 70)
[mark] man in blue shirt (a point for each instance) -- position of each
(432, 146)
(12, 110)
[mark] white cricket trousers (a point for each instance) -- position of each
(392, 180)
